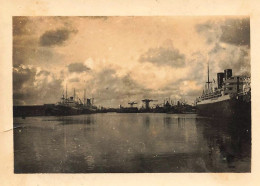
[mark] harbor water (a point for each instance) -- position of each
(130, 143)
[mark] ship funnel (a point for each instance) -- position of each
(220, 77)
(228, 73)
(88, 102)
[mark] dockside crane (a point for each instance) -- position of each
(132, 104)
(147, 102)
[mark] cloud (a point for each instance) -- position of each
(22, 75)
(236, 31)
(23, 54)
(196, 68)
(30, 87)
(110, 89)
(77, 67)
(164, 56)
(210, 30)
(72, 80)
(117, 72)
(235, 58)
(229, 46)
(43, 72)
(55, 37)
(193, 93)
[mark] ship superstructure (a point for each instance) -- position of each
(230, 97)
(68, 105)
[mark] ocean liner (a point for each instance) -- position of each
(230, 98)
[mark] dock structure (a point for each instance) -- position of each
(132, 104)
(147, 103)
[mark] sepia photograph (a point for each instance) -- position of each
(131, 94)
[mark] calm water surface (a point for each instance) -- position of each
(142, 142)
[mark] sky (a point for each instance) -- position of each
(122, 59)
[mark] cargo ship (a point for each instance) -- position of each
(230, 98)
(66, 106)
(88, 106)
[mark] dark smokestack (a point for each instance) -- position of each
(228, 73)
(88, 102)
(220, 77)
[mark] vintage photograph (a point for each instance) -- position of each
(131, 94)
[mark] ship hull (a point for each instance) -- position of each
(60, 110)
(128, 110)
(229, 108)
(88, 111)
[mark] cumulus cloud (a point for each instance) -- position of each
(236, 31)
(112, 89)
(164, 56)
(229, 46)
(43, 72)
(236, 58)
(23, 75)
(30, 87)
(25, 43)
(77, 67)
(126, 60)
(31, 33)
(109, 89)
(55, 37)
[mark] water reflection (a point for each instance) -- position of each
(131, 143)
(181, 123)
(83, 119)
(167, 121)
(229, 141)
(147, 121)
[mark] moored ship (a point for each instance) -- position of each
(67, 106)
(88, 106)
(230, 99)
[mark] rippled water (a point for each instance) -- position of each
(142, 142)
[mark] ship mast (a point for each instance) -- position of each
(208, 82)
(66, 92)
(84, 96)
